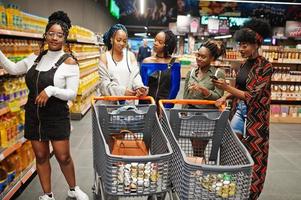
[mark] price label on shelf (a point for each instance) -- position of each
(14, 106)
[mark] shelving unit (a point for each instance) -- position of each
(283, 101)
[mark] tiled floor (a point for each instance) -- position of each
(284, 171)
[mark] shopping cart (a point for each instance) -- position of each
(118, 177)
(226, 169)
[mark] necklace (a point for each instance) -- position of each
(159, 56)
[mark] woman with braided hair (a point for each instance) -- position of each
(119, 70)
(199, 85)
(161, 72)
(198, 82)
(251, 99)
(52, 77)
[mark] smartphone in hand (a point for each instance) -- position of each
(214, 77)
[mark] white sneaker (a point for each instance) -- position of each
(46, 197)
(78, 194)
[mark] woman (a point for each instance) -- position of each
(199, 85)
(52, 78)
(251, 99)
(198, 82)
(119, 71)
(160, 72)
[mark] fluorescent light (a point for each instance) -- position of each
(223, 37)
(142, 7)
(258, 2)
(140, 34)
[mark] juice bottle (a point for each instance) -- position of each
(10, 168)
(3, 178)
(2, 16)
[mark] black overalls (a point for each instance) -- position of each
(50, 122)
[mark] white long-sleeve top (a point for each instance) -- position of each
(66, 77)
(116, 78)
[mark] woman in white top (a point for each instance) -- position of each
(119, 71)
(52, 78)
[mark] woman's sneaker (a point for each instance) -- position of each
(46, 197)
(78, 194)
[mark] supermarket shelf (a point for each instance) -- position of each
(9, 192)
(82, 40)
(78, 116)
(88, 57)
(87, 72)
(286, 82)
(6, 109)
(286, 102)
(292, 120)
(7, 151)
(232, 60)
(289, 62)
(88, 90)
(21, 34)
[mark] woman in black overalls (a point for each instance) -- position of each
(47, 118)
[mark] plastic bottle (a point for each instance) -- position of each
(3, 178)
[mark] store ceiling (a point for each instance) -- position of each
(159, 13)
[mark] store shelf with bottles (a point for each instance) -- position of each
(88, 85)
(15, 168)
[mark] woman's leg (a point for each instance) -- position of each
(61, 150)
(42, 153)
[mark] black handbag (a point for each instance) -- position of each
(159, 82)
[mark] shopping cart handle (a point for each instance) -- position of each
(120, 98)
(188, 101)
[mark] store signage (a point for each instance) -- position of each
(194, 24)
(293, 29)
(213, 25)
(183, 23)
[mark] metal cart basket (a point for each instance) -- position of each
(129, 176)
(209, 161)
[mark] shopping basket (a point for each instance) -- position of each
(226, 172)
(129, 176)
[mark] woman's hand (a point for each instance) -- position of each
(141, 92)
(220, 102)
(196, 87)
(42, 99)
(221, 84)
(129, 92)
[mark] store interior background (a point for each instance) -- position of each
(283, 180)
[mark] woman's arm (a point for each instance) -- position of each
(19, 67)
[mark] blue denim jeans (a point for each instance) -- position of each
(238, 122)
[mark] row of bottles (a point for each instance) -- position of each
(16, 50)
(233, 54)
(11, 124)
(13, 166)
(12, 18)
(78, 48)
(282, 55)
(12, 88)
(78, 32)
(286, 92)
(285, 111)
(284, 74)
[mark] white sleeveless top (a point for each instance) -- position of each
(121, 70)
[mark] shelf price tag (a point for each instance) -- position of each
(14, 106)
